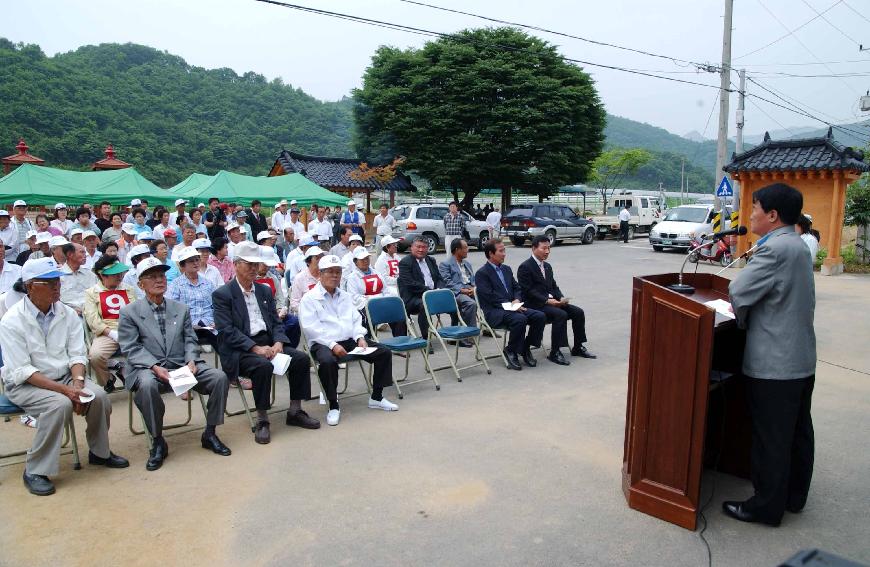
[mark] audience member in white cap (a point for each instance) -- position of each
(127, 241)
(136, 255)
(90, 240)
(354, 243)
(235, 235)
(77, 278)
(306, 279)
(22, 226)
(296, 263)
(44, 354)
(280, 217)
(76, 235)
(334, 328)
(55, 245)
(31, 248)
(206, 270)
(194, 291)
(8, 233)
(9, 271)
(180, 206)
(103, 303)
(267, 275)
(387, 264)
(294, 221)
(41, 251)
(60, 220)
(353, 219)
(363, 283)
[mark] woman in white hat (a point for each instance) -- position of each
(387, 264)
(60, 222)
(363, 283)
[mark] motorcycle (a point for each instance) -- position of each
(717, 252)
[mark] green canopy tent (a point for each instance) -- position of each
(242, 189)
(46, 186)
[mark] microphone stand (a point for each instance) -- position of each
(680, 287)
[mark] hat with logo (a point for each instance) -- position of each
(128, 228)
(200, 243)
(4, 213)
(247, 251)
(59, 206)
(180, 202)
(76, 231)
(187, 253)
(389, 239)
(151, 263)
(263, 235)
(329, 261)
(88, 234)
(361, 253)
(19, 203)
(232, 226)
(138, 250)
(41, 269)
(356, 237)
(135, 202)
(145, 235)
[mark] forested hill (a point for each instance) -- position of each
(164, 116)
(171, 119)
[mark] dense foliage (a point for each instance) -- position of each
(166, 117)
(482, 108)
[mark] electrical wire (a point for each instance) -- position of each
(422, 31)
(750, 65)
(781, 95)
(822, 16)
(790, 32)
(856, 11)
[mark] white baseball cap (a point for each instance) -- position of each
(76, 231)
(19, 203)
(4, 213)
(232, 226)
(186, 253)
(329, 261)
(389, 239)
(201, 243)
(59, 206)
(135, 202)
(281, 202)
(351, 202)
(30, 234)
(43, 237)
(268, 256)
(138, 250)
(313, 251)
(88, 234)
(42, 269)
(145, 235)
(360, 253)
(247, 251)
(179, 202)
(356, 237)
(57, 241)
(292, 202)
(128, 228)
(263, 234)
(151, 263)
(199, 206)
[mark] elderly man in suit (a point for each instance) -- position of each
(496, 285)
(459, 278)
(418, 273)
(774, 299)
(250, 335)
(541, 293)
(156, 335)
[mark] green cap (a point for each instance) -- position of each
(114, 269)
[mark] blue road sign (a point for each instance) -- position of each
(725, 189)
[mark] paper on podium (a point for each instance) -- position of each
(363, 351)
(721, 306)
(181, 380)
(511, 306)
(280, 363)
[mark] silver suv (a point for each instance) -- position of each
(427, 220)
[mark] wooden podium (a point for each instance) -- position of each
(678, 418)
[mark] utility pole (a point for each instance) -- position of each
(741, 105)
(724, 88)
(682, 177)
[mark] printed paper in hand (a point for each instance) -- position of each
(363, 351)
(280, 364)
(721, 306)
(511, 306)
(181, 380)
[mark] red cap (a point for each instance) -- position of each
(169, 232)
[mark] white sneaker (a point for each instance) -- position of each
(332, 416)
(383, 404)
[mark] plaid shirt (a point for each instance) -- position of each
(197, 297)
(454, 225)
(160, 316)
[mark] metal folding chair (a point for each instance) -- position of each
(367, 376)
(246, 408)
(484, 324)
(442, 301)
(380, 310)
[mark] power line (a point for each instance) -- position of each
(782, 95)
(790, 32)
(554, 32)
(772, 74)
(804, 64)
(852, 39)
(856, 11)
(422, 31)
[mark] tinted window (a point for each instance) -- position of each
(567, 212)
(401, 213)
(519, 212)
(543, 211)
(424, 213)
(644, 203)
(438, 213)
(686, 214)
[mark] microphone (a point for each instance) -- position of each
(739, 231)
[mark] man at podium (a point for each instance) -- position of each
(773, 298)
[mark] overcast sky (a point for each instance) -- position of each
(326, 57)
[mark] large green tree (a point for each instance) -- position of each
(610, 168)
(479, 109)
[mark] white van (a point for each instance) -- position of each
(681, 224)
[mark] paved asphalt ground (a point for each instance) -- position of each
(513, 468)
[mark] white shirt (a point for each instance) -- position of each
(173, 217)
(346, 266)
(26, 349)
(255, 317)
(357, 288)
(21, 230)
(91, 260)
(279, 220)
(339, 250)
(812, 245)
(427, 275)
(329, 318)
(493, 219)
(212, 274)
(384, 225)
(9, 236)
(302, 284)
(62, 225)
(298, 227)
(624, 215)
(388, 268)
(322, 230)
(294, 265)
(9, 274)
(73, 286)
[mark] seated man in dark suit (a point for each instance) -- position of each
(496, 285)
(156, 335)
(541, 292)
(418, 273)
(250, 335)
(458, 277)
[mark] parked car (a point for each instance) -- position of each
(556, 222)
(682, 224)
(427, 220)
(645, 214)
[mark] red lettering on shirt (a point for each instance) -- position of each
(111, 302)
(373, 283)
(394, 267)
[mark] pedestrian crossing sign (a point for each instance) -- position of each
(725, 189)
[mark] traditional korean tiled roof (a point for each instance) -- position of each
(22, 156)
(805, 154)
(333, 172)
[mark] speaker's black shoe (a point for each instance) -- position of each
(582, 352)
(556, 357)
(736, 511)
(158, 454)
(513, 361)
(530, 360)
(113, 462)
(215, 445)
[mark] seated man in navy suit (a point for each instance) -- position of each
(496, 285)
(542, 293)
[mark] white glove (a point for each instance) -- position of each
(113, 335)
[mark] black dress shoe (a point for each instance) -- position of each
(529, 359)
(557, 357)
(582, 352)
(262, 434)
(38, 484)
(214, 444)
(158, 454)
(302, 419)
(736, 511)
(513, 361)
(113, 462)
